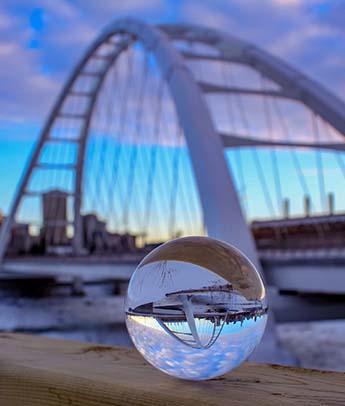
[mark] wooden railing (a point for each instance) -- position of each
(40, 371)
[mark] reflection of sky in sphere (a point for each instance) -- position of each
(232, 347)
(196, 308)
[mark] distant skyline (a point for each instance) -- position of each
(42, 40)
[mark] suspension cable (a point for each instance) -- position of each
(319, 164)
(153, 160)
(113, 110)
(256, 159)
(296, 163)
(104, 129)
(105, 177)
(175, 183)
(121, 131)
(275, 167)
(338, 155)
(119, 106)
(237, 153)
(134, 152)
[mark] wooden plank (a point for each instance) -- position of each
(40, 371)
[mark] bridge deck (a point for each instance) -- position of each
(40, 371)
(317, 271)
(90, 269)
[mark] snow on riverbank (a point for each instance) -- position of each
(317, 344)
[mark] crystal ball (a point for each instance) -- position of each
(196, 308)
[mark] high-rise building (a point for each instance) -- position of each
(21, 242)
(95, 233)
(54, 230)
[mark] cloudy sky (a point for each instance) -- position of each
(41, 40)
(233, 345)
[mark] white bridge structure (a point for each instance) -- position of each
(178, 129)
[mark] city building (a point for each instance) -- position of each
(54, 222)
(21, 242)
(97, 239)
(95, 233)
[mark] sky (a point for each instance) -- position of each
(41, 41)
(234, 344)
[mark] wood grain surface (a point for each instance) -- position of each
(40, 371)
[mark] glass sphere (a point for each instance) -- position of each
(196, 308)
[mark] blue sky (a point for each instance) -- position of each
(233, 346)
(41, 40)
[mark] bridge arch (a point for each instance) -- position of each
(220, 203)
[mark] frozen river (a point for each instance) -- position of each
(317, 344)
(98, 317)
